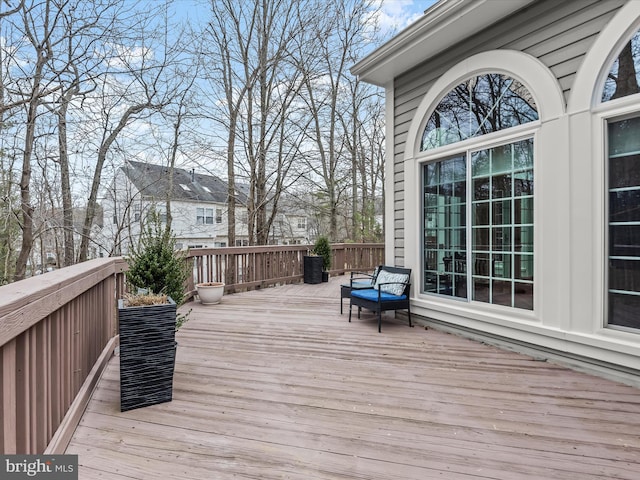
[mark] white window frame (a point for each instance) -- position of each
(549, 99)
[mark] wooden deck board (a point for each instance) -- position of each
(275, 384)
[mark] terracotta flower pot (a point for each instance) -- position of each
(210, 293)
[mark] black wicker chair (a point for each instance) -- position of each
(390, 292)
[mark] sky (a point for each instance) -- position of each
(395, 15)
(398, 14)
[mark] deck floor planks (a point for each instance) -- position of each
(275, 383)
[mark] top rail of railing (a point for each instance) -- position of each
(245, 268)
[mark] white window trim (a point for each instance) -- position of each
(586, 108)
(586, 92)
(546, 91)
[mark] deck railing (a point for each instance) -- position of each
(54, 331)
(59, 330)
(245, 268)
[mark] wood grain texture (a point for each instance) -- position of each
(275, 383)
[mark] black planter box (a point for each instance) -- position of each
(147, 354)
(312, 269)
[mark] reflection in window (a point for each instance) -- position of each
(204, 216)
(445, 232)
(623, 79)
(624, 223)
(499, 267)
(502, 239)
(483, 104)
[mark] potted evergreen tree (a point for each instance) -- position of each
(322, 248)
(148, 318)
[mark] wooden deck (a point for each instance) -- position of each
(276, 384)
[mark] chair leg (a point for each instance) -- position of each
(349, 311)
(380, 321)
(409, 314)
(341, 305)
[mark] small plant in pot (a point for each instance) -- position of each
(322, 248)
(148, 318)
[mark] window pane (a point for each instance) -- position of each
(501, 212)
(501, 186)
(480, 105)
(481, 239)
(623, 310)
(624, 206)
(481, 188)
(481, 290)
(481, 213)
(523, 239)
(624, 240)
(624, 171)
(625, 275)
(506, 235)
(624, 73)
(445, 227)
(523, 295)
(481, 264)
(501, 159)
(523, 183)
(523, 267)
(523, 210)
(501, 293)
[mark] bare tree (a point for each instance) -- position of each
(143, 87)
(338, 36)
(39, 22)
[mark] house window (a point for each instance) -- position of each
(480, 105)
(623, 282)
(478, 202)
(624, 75)
(218, 215)
(136, 213)
(489, 258)
(204, 216)
(302, 223)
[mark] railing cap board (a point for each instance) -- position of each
(198, 252)
(26, 302)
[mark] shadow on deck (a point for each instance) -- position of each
(275, 383)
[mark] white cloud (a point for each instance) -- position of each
(395, 15)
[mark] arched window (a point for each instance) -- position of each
(623, 185)
(624, 75)
(478, 202)
(480, 105)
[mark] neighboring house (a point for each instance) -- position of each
(198, 207)
(513, 172)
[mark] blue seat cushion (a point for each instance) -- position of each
(372, 295)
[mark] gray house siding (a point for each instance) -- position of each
(558, 33)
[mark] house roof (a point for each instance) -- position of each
(153, 181)
(443, 25)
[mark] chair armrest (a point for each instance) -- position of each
(364, 276)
